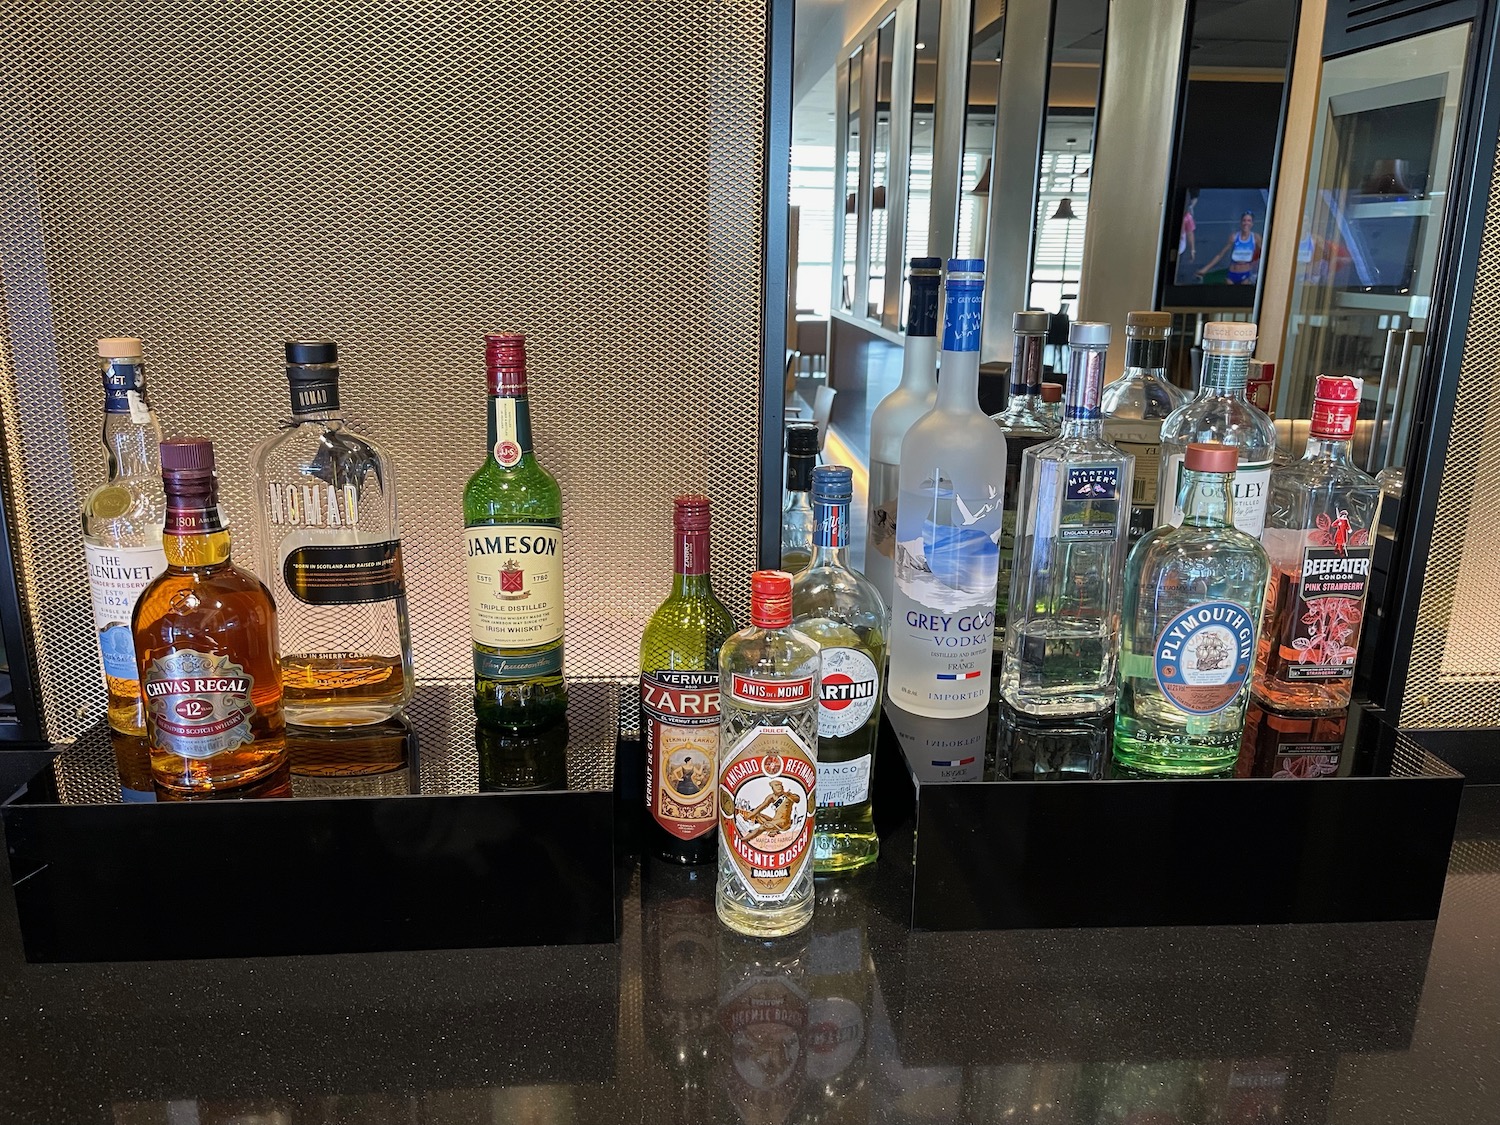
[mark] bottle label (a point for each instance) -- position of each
(844, 783)
(515, 585)
(512, 426)
(847, 691)
(117, 575)
(198, 703)
(194, 521)
(767, 788)
(748, 689)
(680, 723)
(349, 574)
(1306, 759)
(125, 389)
(1143, 441)
(1251, 481)
(1204, 655)
(1090, 509)
(1320, 639)
(963, 316)
(530, 666)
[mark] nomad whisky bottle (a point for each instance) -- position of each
(513, 513)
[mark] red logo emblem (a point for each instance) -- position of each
(507, 453)
(835, 700)
(512, 578)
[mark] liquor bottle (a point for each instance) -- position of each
(513, 513)
(841, 610)
(768, 767)
(329, 549)
(122, 522)
(206, 647)
(1193, 598)
(680, 697)
(1135, 406)
(1221, 413)
(948, 527)
(1052, 402)
(1060, 645)
(912, 398)
(1321, 517)
(797, 515)
(133, 762)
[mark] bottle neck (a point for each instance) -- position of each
(1026, 367)
(799, 469)
(1225, 374)
(1145, 359)
(1205, 499)
(958, 388)
(1321, 448)
(509, 429)
(831, 534)
(323, 417)
(691, 565)
(195, 534)
(919, 365)
(133, 447)
(1081, 414)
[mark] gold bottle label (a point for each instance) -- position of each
(515, 585)
(198, 703)
(767, 797)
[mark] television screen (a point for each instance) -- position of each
(1369, 244)
(1222, 236)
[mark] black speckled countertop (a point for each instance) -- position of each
(857, 1021)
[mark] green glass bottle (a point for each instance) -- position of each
(680, 698)
(513, 518)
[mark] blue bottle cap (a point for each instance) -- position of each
(965, 265)
(833, 484)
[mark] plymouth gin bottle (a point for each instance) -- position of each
(948, 527)
(1221, 413)
(768, 766)
(1320, 522)
(1071, 540)
(1024, 426)
(797, 513)
(842, 611)
(1136, 405)
(912, 398)
(680, 697)
(1193, 597)
(122, 522)
(329, 548)
(513, 518)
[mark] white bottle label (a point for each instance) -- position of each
(847, 690)
(844, 783)
(1250, 487)
(515, 585)
(117, 575)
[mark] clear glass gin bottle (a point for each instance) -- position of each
(768, 766)
(1025, 425)
(839, 609)
(912, 398)
(1071, 539)
(122, 525)
(948, 527)
(329, 548)
(1221, 413)
(1192, 608)
(1136, 405)
(797, 514)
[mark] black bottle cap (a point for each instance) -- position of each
(802, 439)
(312, 372)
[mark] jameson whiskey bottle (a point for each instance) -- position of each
(206, 647)
(768, 767)
(122, 522)
(513, 513)
(680, 697)
(329, 549)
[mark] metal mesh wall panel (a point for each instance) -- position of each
(1454, 678)
(401, 177)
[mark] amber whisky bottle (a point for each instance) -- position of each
(205, 645)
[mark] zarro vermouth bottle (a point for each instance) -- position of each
(1321, 513)
(206, 647)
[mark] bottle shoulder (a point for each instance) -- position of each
(1079, 450)
(498, 495)
(836, 594)
(951, 434)
(1220, 418)
(1194, 552)
(769, 652)
(1136, 398)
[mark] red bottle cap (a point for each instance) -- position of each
(505, 363)
(187, 454)
(1335, 406)
(1211, 457)
(770, 599)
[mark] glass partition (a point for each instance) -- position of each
(919, 166)
(880, 164)
(987, 42)
(851, 183)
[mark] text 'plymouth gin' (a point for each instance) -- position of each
(912, 398)
(839, 609)
(1136, 405)
(1193, 598)
(948, 527)
(768, 766)
(1070, 553)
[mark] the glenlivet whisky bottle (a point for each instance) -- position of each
(206, 647)
(329, 549)
(841, 610)
(513, 513)
(680, 697)
(122, 521)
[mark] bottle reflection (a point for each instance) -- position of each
(133, 760)
(838, 1013)
(763, 1024)
(511, 760)
(1292, 746)
(940, 750)
(680, 964)
(1030, 749)
(376, 760)
(277, 783)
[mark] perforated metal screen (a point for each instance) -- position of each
(401, 177)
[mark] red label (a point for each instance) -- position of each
(680, 725)
(752, 690)
(512, 578)
(692, 552)
(193, 521)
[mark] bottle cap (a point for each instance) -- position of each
(505, 363)
(926, 267)
(1052, 392)
(833, 484)
(1143, 318)
(312, 373)
(120, 347)
(691, 512)
(1032, 322)
(1335, 406)
(306, 352)
(1211, 457)
(770, 599)
(187, 455)
(1235, 330)
(1088, 333)
(965, 265)
(802, 439)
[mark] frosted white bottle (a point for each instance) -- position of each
(948, 527)
(912, 398)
